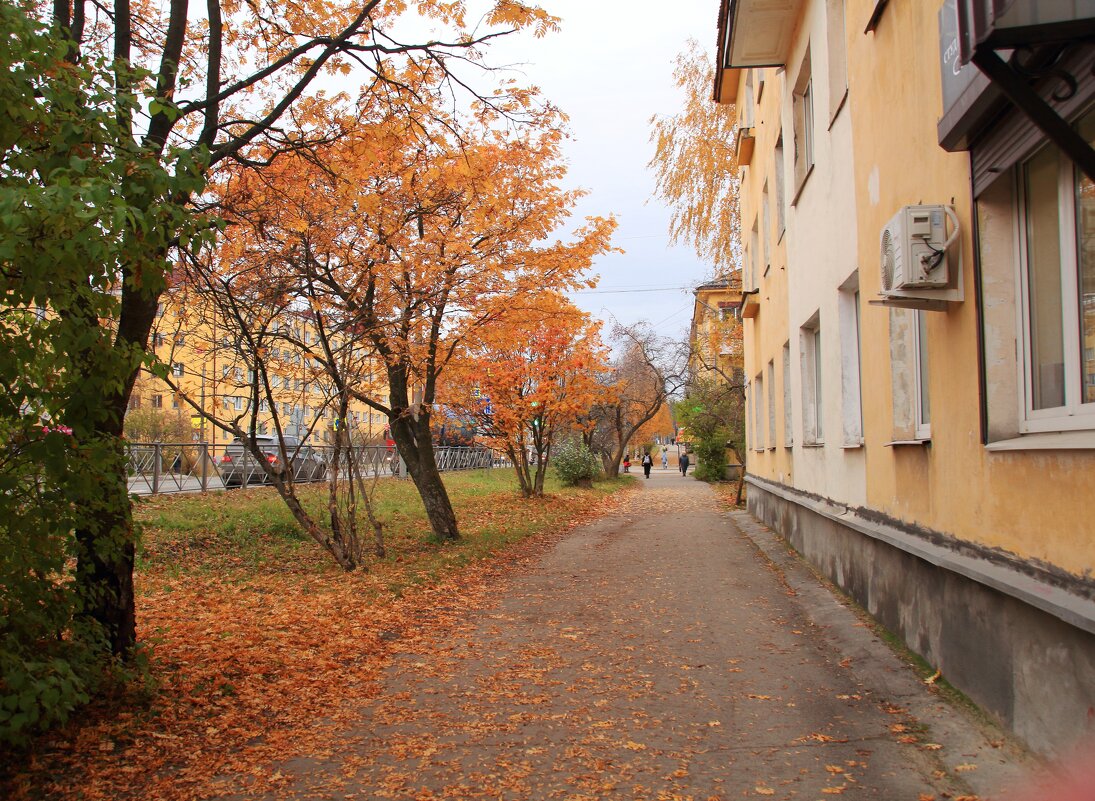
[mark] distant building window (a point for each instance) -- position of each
(157, 401)
(788, 427)
(756, 407)
(770, 380)
(781, 192)
(812, 361)
(765, 229)
(838, 57)
(177, 369)
(802, 107)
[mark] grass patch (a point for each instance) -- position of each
(251, 532)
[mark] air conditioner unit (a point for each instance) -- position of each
(914, 249)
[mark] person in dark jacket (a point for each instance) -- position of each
(648, 462)
(684, 464)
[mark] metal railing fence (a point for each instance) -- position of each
(162, 467)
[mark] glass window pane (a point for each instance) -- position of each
(1047, 368)
(1085, 249)
(817, 384)
(922, 367)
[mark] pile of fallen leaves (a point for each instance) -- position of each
(257, 663)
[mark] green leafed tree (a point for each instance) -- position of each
(74, 207)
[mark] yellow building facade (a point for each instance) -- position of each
(715, 330)
(211, 367)
(919, 262)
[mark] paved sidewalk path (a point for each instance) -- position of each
(659, 653)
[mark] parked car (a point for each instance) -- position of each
(239, 468)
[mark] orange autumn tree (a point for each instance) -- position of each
(196, 86)
(526, 379)
(411, 232)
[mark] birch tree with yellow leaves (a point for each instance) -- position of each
(695, 166)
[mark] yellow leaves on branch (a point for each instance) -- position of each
(522, 15)
(694, 165)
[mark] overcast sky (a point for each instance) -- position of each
(610, 68)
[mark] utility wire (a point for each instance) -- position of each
(625, 291)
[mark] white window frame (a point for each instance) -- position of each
(851, 369)
(802, 116)
(781, 191)
(788, 424)
(812, 361)
(1075, 415)
(758, 406)
(922, 365)
(770, 378)
(765, 228)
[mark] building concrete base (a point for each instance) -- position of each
(1021, 647)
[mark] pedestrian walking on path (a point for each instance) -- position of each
(648, 462)
(627, 463)
(665, 459)
(684, 463)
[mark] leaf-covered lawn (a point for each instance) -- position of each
(263, 646)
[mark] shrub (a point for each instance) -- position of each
(710, 458)
(574, 463)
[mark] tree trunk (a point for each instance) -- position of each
(413, 439)
(104, 569)
(106, 551)
(741, 476)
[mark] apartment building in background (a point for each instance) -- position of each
(213, 364)
(918, 218)
(715, 332)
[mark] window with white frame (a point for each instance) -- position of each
(754, 256)
(758, 412)
(850, 364)
(770, 380)
(765, 228)
(909, 365)
(811, 361)
(788, 426)
(838, 57)
(923, 398)
(747, 106)
(802, 108)
(177, 369)
(781, 193)
(1057, 290)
